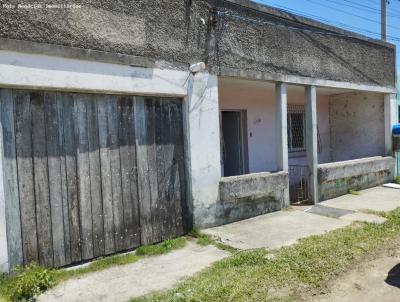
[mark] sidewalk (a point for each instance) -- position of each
(121, 283)
(286, 227)
(271, 231)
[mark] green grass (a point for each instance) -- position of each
(376, 213)
(397, 180)
(23, 278)
(204, 240)
(162, 248)
(301, 268)
(354, 192)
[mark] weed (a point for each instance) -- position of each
(252, 276)
(162, 248)
(30, 281)
(25, 283)
(204, 240)
(397, 180)
(354, 192)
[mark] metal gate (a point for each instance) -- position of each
(299, 184)
(91, 175)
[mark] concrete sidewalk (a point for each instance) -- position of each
(271, 231)
(121, 283)
(286, 227)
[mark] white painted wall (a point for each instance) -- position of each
(259, 101)
(357, 126)
(204, 142)
(45, 72)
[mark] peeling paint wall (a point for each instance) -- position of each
(357, 126)
(247, 196)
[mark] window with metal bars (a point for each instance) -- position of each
(296, 128)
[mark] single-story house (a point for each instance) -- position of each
(127, 123)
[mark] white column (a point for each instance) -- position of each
(203, 131)
(281, 127)
(390, 120)
(312, 140)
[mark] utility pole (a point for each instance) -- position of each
(383, 20)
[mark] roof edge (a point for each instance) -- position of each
(308, 21)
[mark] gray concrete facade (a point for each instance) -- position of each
(246, 196)
(144, 47)
(336, 179)
(232, 37)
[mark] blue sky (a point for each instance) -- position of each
(362, 16)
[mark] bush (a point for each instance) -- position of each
(397, 180)
(30, 281)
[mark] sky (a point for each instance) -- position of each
(362, 16)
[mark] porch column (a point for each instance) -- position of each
(390, 120)
(281, 128)
(312, 140)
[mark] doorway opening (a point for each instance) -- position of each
(234, 142)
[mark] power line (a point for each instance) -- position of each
(335, 23)
(350, 14)
(377, 3)
(362, 7)
(223, 13)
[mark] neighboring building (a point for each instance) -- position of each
(109, 142)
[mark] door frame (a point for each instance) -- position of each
(243, 144)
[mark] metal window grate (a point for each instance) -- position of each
(296, 128)
(299, 184)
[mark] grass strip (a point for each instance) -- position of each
(31, 281)
(204, 240)
(306, 266)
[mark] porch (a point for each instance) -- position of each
(327, 140)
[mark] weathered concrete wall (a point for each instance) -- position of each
(246, 196)
(261, 42)
(336, 179)
(357, 126)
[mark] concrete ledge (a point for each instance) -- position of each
(336, 179)
(74, 53)
(247, 196)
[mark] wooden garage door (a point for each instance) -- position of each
(94, 174)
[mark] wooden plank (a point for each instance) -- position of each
(106, 183)
(95, 178)
(178, 168)
(152, 166)
(118, 207)
(164, 153)
(70, 153)
(10, 179)
(41, 180)
(63, 174)
(83, 175)
(128, 173)
(143, 172)
(55, 180)
(133, 173)
(23, 144)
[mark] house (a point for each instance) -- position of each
(128, 123)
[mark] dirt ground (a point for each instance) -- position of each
(375, 280)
